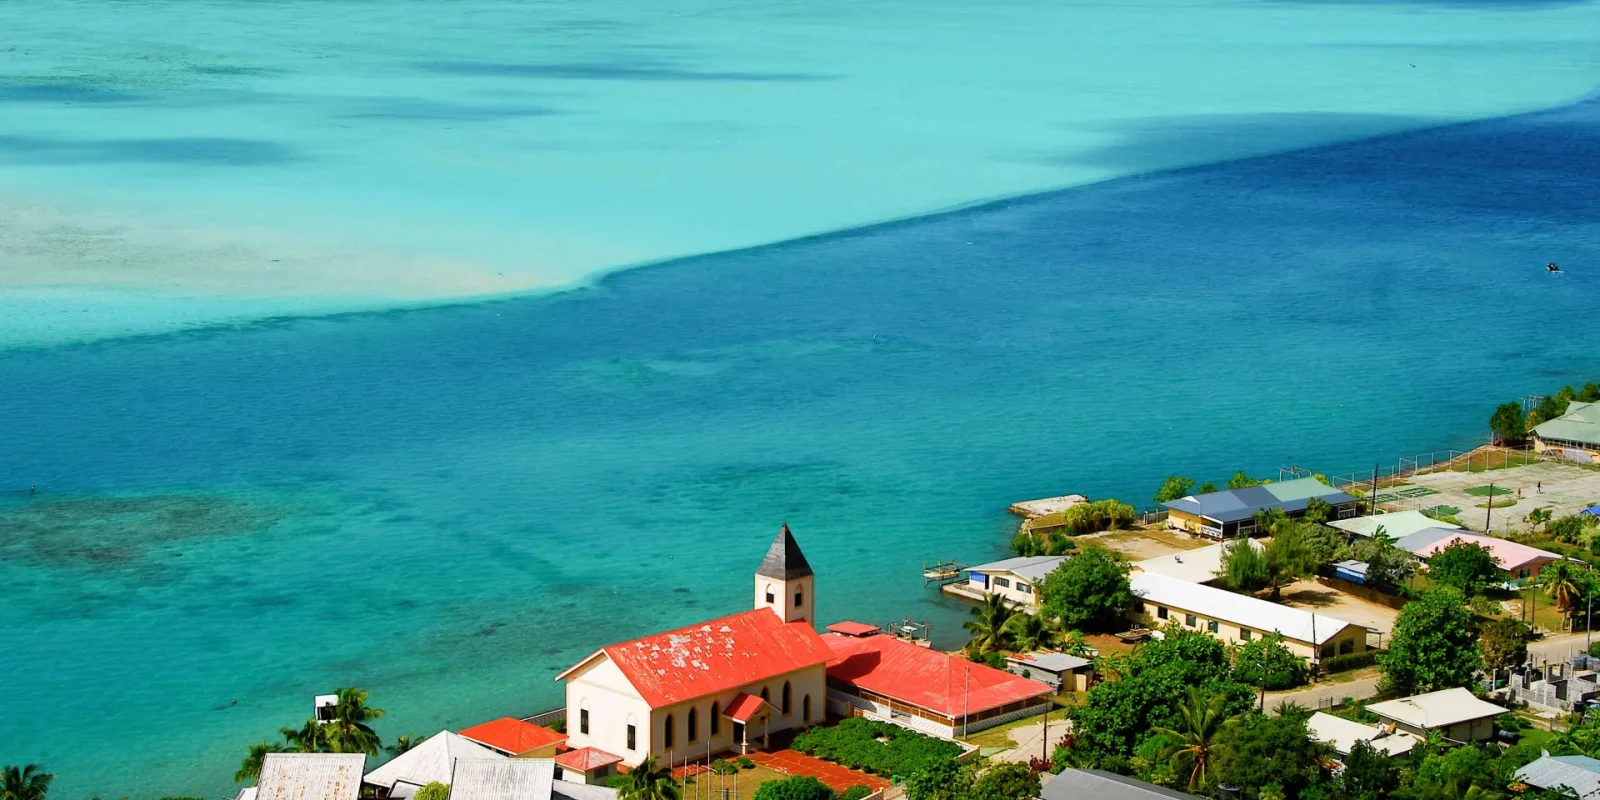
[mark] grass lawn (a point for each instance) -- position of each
(1000, 735)
(1488, 490)
(1448, 511)
(1501, 503)
(747, 782)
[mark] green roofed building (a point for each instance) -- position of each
(1232, 512)
(1575, 435)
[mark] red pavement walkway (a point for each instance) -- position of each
(792, 762)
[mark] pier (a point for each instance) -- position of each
(1031, 509)
(941, 572)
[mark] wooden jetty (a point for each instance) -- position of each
(941, 572)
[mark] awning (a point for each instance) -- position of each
(743, 707)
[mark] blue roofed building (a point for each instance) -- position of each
(1581, 774)
(1230, 513)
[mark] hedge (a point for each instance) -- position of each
(879, 748)
(1350, 661)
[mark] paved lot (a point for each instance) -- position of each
(792, 762)
(1138, 545)
(1566, 489)
(1315, 597)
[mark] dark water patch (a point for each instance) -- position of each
(420, 110)
(190, 151)
(69, 91)
(621, 70)
(114, 533)
(236, 71)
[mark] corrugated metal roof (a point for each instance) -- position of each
(923, 677)
(1343, 734)
(310, 776)
(505, 779)
(430, 761)
(1581, 774)
(853, 628)
(1510, 555)
(580, 791)
(1581, 423)
(716, 656)
(1436, 709)
(1032, 568)
(1213, 603)
(784, 560)
(1396, 525)
(586, 759)
(1084, 784)
(1050, 662)
(1234, 505)
(743, 706)
(513, 736)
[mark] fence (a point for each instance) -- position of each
(545, 718)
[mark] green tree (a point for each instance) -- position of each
(1568, 529)
(1031, 632)
(1089, 591)
(1269, 664)
(856, 792)
(1269, 756)
(1508, 424)
(1434, 645)
(1206, 488)
(648, 782)
(1566, 585)
(1073, 643)
(1174, 487)
(251, 768)
(310, 737)
(945, 779)
(433, 791)
(1009, 781)
(1387, 565)
(1369, 774)
(1552, 407)
(406, 742)
(1244, 568)
(1537, 517)
(1504, 643)
(1465, 566)
(1191, 743)
(349, 731)
(1242, 481)
(794, 787)
(1590, 392)
(25, 783)
(1289, 556)
(1317, 511)
(989, 625)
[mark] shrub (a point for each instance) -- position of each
(559, 726)
(1267, 662)
(723, 766)
(433, 791)
(855, 792)
(745, 763)
(794, 787)
(878, 748)
(615, 782)
(1350, 661)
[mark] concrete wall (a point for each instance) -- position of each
(792, 600)
(613, 704)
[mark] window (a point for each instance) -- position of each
(786, 706)
(666, 737)
(1004, 583)
(766, 695)
(1161, 612)
(1245, 635)
(805, 709)
(716, 718)
(1024, 588)
(583, 720)
(1327, 651)
(559, 773)
(633, 743)
(1347, 646)
(694, 724)
(1189, 620)
(799, 599)
(1211, 626)
(771, 596)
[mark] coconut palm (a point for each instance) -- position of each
(1034, 632)
(988, 626)
(1565, 585)
(403, 743)
(251, 768)
(312, 737)
(1074, 644)
(646, 782)
(1192, 743)
(24, 783)
(349, 732)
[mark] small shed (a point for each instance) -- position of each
(1062, 672)
(1353, 571)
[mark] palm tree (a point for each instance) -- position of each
(24, 783)
(1564, 584)
(645, 782)
(1074, 644)
(312, 737)
(349, 732)
(1192, 745)
(251, 768)
(404, 742)
(1034, 632)
(988, 626)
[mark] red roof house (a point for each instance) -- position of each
(514, 737)
(943, 689)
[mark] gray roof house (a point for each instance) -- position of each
(1581, 774)
(310, 776)
(1232, 511)
(1081, 784)
(504, 779)
(433, 761)
(1578, 429)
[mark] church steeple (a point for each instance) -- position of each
(784, 581)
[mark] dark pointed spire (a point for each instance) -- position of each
(784, 560)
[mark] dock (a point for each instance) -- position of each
(941, 572)
(1031, 509)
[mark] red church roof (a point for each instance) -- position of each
(919, 676)
(853, 628)
(714, 656)
(743, 706)
(512, 735)
(586, 759)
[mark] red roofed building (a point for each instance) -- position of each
(514, 737)
(586, 765)
(880, 676)
(722, 684)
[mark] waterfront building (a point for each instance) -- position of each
(1231, 512)
(882, 677)
(702, 689)
(308, 776)
(1015, 579)
(433, 761)
(514, 737)
(1237, 618)
(1515, 559)
(1574, 436)
(1456, 714)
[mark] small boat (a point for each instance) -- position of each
(1552, 268)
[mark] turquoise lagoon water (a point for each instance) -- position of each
(167, 164)
(447, 505)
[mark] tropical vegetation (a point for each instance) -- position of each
(1088, 591)
(879, 748)
(347, 732)
(648, 781)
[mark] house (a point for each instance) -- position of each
(1236, 618)
(586, 765)
(883, 677)
(1060, 671)
(1581, 774)
(1455, 713)
(429, 762)
(1574, 435)
(710, 687)
(1231, 512)
(518, 779)
(1201, 565)
(514, 737)
(1395, 525)
(1343, 734)
(1013, 578)
(1517, 560)
(1081, 784)
(309, 776)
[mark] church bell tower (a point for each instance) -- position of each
(784, 581)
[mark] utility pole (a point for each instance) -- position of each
(1374, 508)
(1488, 512)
